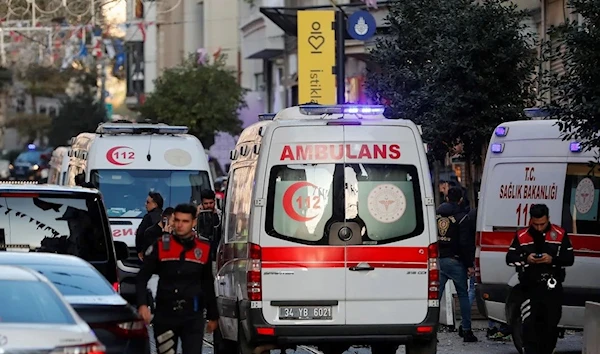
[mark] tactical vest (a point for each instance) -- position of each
(552, 245)
(175, 251)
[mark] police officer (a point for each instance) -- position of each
(540, 253)
(185, 286)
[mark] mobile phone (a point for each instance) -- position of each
(539, 255)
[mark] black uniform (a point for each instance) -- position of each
(541, 308)
(185, 288)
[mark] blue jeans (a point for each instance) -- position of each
(451, 268)
(471, 290)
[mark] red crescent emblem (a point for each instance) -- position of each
(288, 199)
(110, 156)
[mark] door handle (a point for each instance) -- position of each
(362, 267)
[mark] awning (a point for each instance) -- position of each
(286, 18)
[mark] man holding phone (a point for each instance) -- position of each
(155, 231)
(540, 253)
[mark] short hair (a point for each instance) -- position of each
(158, 199)
(455, 194)
(443, 181)
(452, 183)
(186, 209)
(168, 212)
(539, 211)
(207, 194)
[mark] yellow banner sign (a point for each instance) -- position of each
(316, 57)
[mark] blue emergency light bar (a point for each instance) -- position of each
(266, 116)
(575, 146)
(342, 109)
(501, 131)
(31, 146)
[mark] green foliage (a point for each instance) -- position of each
(78, 114)
(205, 98)
(456, 67)
(575, 93)
(31, 126)
(44, 81)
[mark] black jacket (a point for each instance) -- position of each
(184, 271)
(151, 234)
(151, 218)
(209, 227)
(456, 241)
(553, 241)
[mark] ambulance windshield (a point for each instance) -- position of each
(125, 191)
(309, 203)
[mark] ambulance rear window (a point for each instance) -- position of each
(307, 202)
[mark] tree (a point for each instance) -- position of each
(204, 97)
(78, 114)
(38, 81)
(575, 92)
(457, 67)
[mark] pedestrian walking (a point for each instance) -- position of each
(457, 255)
(540, 253)
(185, 287)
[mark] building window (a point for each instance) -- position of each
(52, 112)
(43, 110)
(259, 82)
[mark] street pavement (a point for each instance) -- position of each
(449, 343)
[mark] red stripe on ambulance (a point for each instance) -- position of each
(499, 241)
(340, 256)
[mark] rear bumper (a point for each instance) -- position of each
(253, 320)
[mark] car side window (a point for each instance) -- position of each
(581, 214)
(239, 201)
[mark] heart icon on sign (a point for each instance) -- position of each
(316, 41)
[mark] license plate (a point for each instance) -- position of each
(305, 313)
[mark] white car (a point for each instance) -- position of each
(35, 317)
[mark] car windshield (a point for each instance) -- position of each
(125, 191)
(74, 281)
(32, 302)
(29, 157)
(44, 222)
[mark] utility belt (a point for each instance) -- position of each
(180, 305)
(549, 280)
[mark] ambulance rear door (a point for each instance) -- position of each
(387, 256)
(303, 270)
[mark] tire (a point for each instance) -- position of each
(223, 346)
(517, 327)
(429, 347)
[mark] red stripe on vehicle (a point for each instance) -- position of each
(499, 241)
(337, 256)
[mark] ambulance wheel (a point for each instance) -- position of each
(243, 347)
(517, 327)
(429, 347)
(222, 345)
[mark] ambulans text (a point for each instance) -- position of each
(340, 152)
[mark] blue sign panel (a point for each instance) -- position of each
(361, 25)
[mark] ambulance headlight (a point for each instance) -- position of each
(501, 131)
(497, 148)
(575, 146)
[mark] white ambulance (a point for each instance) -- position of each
(528, 163)
(330, 235)
(126, 161)
(59, 164)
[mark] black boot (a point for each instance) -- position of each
(469, 337)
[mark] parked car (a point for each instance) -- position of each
(115, 322)
(36, 318)
(31, 165)
(59, 219)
